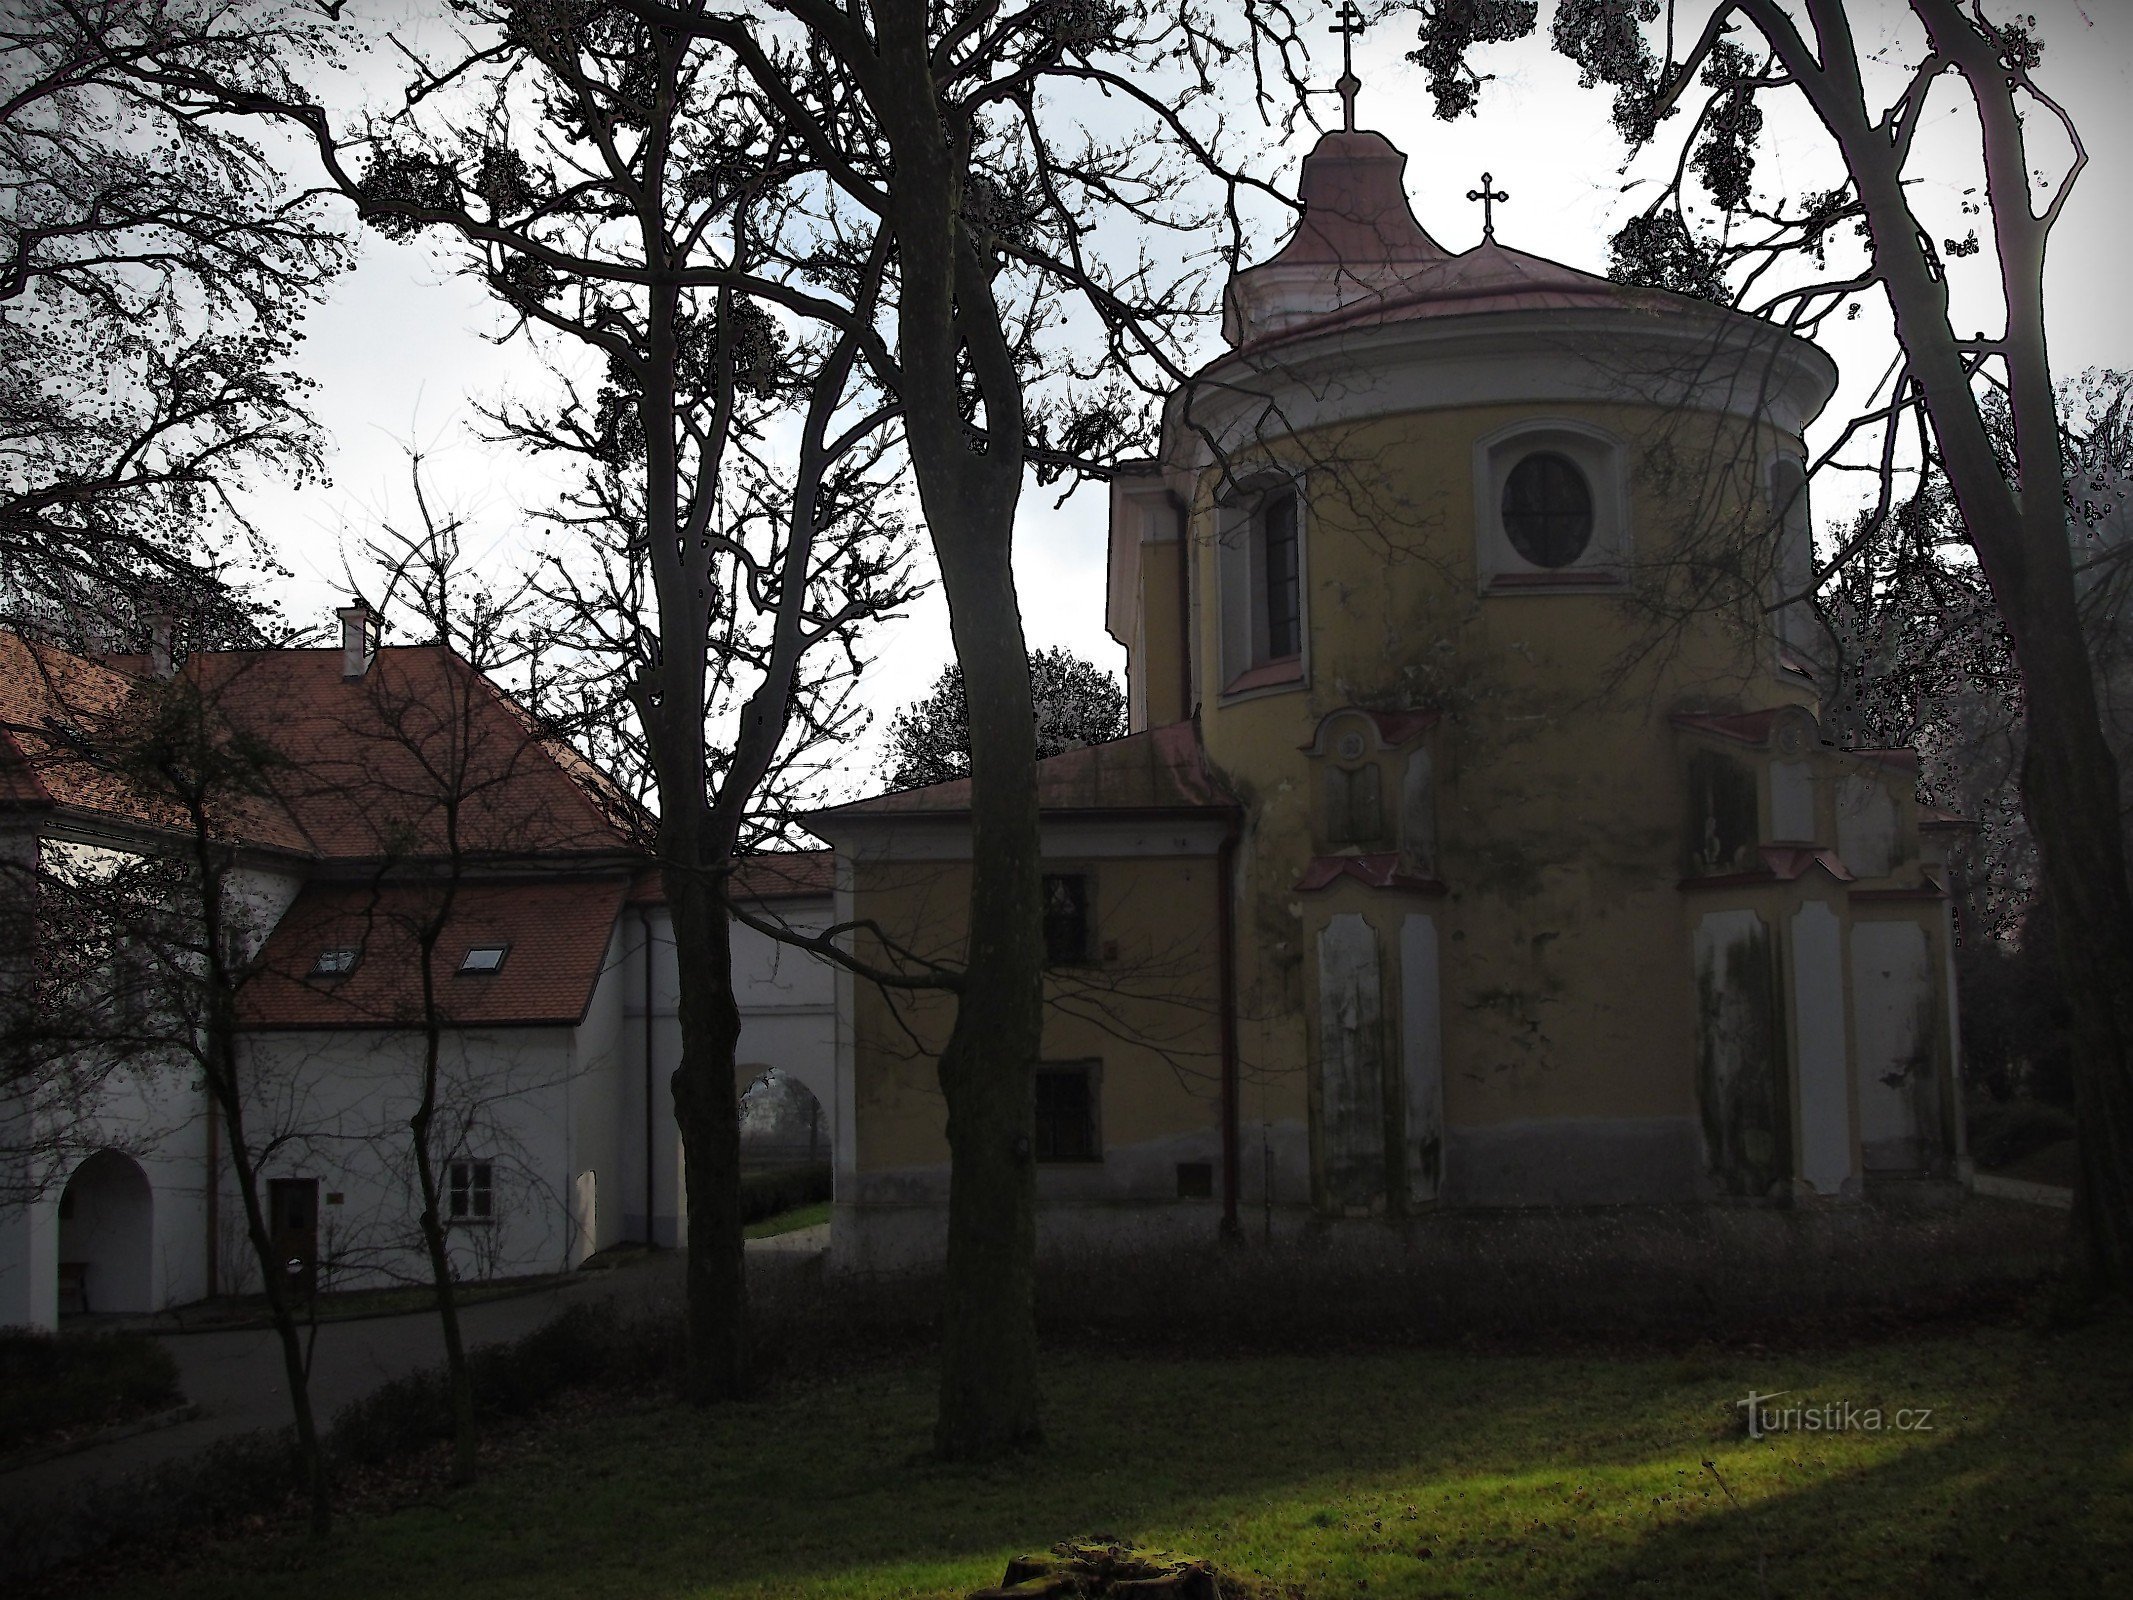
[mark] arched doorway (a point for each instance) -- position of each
(782, 1123)
(107, 1236)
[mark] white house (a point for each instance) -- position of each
(406, 800)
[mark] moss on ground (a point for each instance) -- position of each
(1407, 1473)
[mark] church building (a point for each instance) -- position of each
(1474, 843)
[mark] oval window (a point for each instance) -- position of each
(1547, 509)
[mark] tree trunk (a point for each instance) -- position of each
(949, 323)
(218, 1058)
(459, 1380)
(2070, 795)
(707, 1112)
(2019, 533)
(224, 1090)
(989, 1401)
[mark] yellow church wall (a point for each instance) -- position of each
(1160, 670)
(1560, 800)
(1570, 1025)
(1145, 1012)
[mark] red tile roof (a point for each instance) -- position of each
(1160, 770)
(64, 722)
(376, 765)
(420, 750)
(557, 930)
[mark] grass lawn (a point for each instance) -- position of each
(1404, 1473)
(792, 1221)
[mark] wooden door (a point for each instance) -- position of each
(292, 1205)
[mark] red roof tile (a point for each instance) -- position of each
(557, 931)
(63, 718)
(376, 765)
(1160, 770)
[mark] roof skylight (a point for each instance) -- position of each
(483, 957)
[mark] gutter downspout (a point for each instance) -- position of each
(1226, 955)
(214, 1196)
(1184, 512)
(651, 1181)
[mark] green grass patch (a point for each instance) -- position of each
(813, 1216)
(1410, 1473)
(52, 1387)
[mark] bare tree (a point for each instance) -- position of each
(1772, 255)
(940, 128)
(620, 216)
(153, 273)
(918, 182)
(459, 764)
(194, 926)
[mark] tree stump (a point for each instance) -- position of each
(1111, 1569)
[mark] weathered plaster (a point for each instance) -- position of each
(1351, 1065)
(1421, 1057)
(1866, 824)
(1746, 1116)
(1824, 1073)
(1895, 1002)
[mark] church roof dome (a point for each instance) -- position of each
(1358, 257)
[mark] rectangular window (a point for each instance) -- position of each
(1284, 593)
(470, 1191)
(1066, 1112)
(1068, 925)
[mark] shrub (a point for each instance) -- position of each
(2003, 1132)
(53, 1386)
(250, 1474)
(1610, 1278)
(765, 1194)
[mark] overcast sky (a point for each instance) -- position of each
(403, 345)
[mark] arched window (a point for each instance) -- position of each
(1282, 597)
(1262, 568)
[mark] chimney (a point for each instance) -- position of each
(162, 644)
(359, 637)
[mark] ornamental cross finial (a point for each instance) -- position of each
(1349, 23)
(1488, 198)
